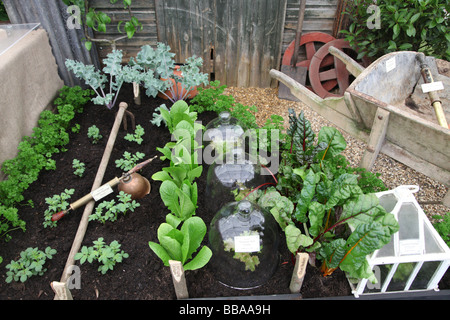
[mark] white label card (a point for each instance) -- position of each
(390, 64)
(101, 192)
(432, 86)
(247, 243)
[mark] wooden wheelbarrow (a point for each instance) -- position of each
(374, 109)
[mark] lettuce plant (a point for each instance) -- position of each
(181, 244)
(179, 189)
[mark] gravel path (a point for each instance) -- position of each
(393, 173)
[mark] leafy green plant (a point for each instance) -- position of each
(178, 189)
(129, 161)
(76, 128)
(108, 210)
(94, 134)
(442, 226)
(250, 260)
(75, 96)
(56, 203)
(178, 112)
(118, 74)
(323, 205)
(107, 255)
(157, 66)
(137, 135)
(9, 221)
(34, 155)
(31, 263)
(181, 244)
(212, 99)
(97, 20)
(79, 167)
(403, 25)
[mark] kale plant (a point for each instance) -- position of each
(113, 73)
(157, 66)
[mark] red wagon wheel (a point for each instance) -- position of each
(311, 41)
(322, 75)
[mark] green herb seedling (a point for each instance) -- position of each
(79, 167)
(31, 263)
(129, 161)
(137, 136)
(56, 203)
(94, 134)
(106, 255)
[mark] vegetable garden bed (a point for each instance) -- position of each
(142, 275)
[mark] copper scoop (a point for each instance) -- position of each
(130, 182)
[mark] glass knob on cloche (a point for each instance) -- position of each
(244, 240)
(221, 135)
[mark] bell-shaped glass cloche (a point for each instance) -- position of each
(221, 135)
(231, 177)
(244, 240)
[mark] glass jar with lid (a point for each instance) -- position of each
(232, 177)
(222, 135)
(244, 240)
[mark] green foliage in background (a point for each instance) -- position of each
(414, 25)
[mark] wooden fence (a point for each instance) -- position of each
(239, 40)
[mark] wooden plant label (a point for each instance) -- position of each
(179, 280)
(299, 272)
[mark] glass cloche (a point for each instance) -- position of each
(244, 240)
(221, 135)
(231, 177)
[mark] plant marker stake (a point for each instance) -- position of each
(299, 272)
(92, 196)
(90, 205)
(178, 278)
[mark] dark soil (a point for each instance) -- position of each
(142, 276)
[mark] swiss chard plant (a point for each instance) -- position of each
(324, 206)
(181, 244)
(158, 66)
